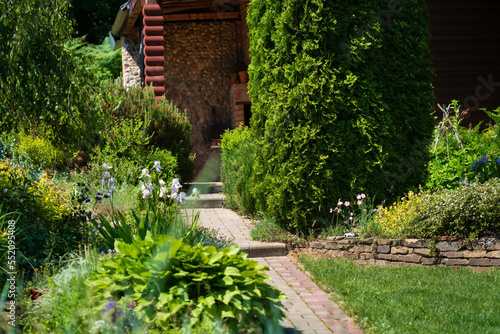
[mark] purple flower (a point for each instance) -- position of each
(360, 202)
(473, 165)
(498, 161)
(331, 210)
(484, 159)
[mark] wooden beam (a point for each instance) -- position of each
(201, 16)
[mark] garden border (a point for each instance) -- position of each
(443, 251)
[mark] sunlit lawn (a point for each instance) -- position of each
(413, 299)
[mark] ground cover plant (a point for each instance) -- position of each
(412, 299)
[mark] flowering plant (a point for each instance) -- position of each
(160, 205)
(484, 169)
(352, 217)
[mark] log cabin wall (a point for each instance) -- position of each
(465, 43)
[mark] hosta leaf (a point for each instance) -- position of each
(232, 271)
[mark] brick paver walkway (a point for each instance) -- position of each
(308, 309)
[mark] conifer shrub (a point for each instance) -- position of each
(341, 100)
(238, 158)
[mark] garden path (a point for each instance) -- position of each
(308, 309)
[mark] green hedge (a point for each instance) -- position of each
(341, 100)
(238, 158)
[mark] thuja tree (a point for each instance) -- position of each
(341, 100)
(43, 83)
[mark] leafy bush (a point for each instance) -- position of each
(452, 163)
(126, 147)
(45, 84)
(49, 224)
(470, 212)
(175, 284)
(163, 126)
(342, 102)
(394, 221)
(238, 158)
(106, 62)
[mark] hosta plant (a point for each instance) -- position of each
(175, 285)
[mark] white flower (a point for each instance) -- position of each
(106, 175)
(180, 197)
(145, 173)
(163, 191)
(175, 184)
(157, 166)
(112, 189)
(162, 183)
(195, 193)
(106, 167)
(112, 180)
(147, 190)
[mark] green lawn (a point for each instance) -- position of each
(413, 299)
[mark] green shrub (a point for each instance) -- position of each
(395, 220)
(36, 151)
(175, 284)
(163, 125)
(341, 100)
(450, 163)
(469, 212)
(126, 147)
(46, 84)
(238, 158)
(49, 223)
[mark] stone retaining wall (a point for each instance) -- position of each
(446, 251)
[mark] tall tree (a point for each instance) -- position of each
(43, 83)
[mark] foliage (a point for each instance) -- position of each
(341, 100)
(45, 84)
(106, 62)
(163, 126)
(238, 158)
(394, 220)
(61, 298)
(36, 152)
(450, 163)
(174, 284)
(268, 231)
(403, 299)
(125, 147)
(49, 224)
(470, 212)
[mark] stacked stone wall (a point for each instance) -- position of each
(446, 251)
(197, 56)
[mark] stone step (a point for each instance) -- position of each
(206, 201)
(203, 187)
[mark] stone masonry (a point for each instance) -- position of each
(445, 251)
(197, 56)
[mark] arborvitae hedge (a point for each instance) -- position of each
(342, 102)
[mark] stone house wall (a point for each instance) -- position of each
(130, 62)
(446, 251)
(197, 55)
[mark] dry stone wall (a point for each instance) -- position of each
(446, 251)
(197, 55)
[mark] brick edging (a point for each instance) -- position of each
(446, 251)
